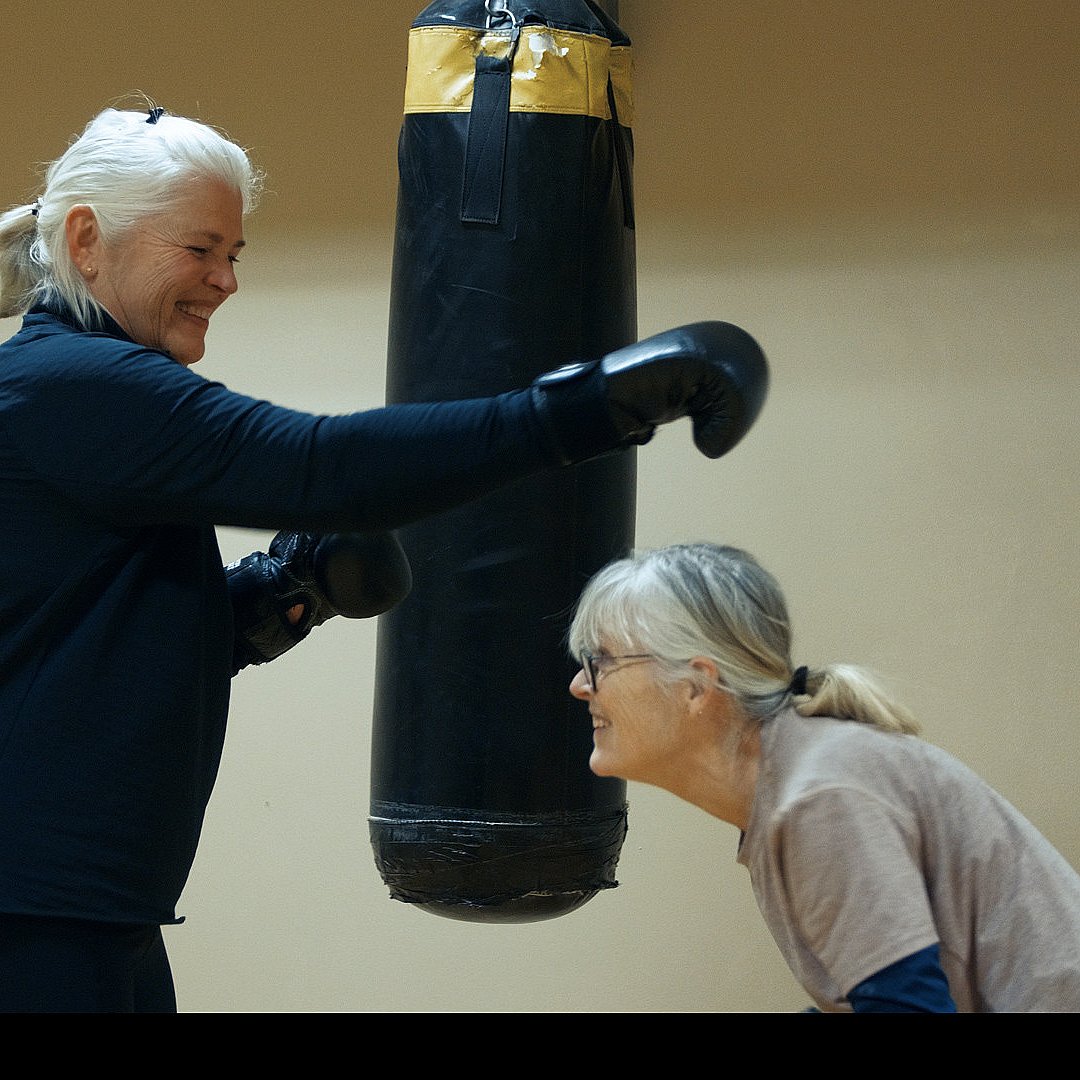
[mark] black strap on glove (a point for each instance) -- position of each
(713, 372)
(357, 575)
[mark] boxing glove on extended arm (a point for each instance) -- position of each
(357, 575)
(713, 372)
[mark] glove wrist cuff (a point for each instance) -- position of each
(572, 408)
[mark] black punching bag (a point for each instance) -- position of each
(514, 254)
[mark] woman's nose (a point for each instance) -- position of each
(223, 277)
(579, 685)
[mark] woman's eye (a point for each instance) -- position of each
(198, 250)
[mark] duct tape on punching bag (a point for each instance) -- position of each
(514, 254)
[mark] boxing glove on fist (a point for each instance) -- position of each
(357, 575)
(713, 372)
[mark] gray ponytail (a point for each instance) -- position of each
(19, 269)
(853, 693)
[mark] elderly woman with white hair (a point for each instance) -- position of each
(892, 878)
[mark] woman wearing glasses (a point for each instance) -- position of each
(892, 878)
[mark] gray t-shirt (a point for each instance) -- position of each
(864, 847)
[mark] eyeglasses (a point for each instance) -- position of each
(595, 666)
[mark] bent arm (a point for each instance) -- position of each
(278, 597)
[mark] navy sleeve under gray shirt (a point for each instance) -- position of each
(116, 463)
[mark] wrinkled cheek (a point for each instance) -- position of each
(153, 329)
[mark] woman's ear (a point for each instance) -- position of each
(709, 697)
(708, 669)
(83, 237)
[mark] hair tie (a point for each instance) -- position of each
(798, 681)
(36, 207)
(156, 114)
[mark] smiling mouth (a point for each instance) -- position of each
(196, 311)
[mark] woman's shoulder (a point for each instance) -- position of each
(50, 346)
(818, 752)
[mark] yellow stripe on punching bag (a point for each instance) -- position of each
(513, 254)
(554, 71)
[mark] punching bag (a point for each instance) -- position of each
(513, 255)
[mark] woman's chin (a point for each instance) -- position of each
(599, 764)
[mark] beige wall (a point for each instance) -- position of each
(886, 196)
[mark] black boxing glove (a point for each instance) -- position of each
(713, 372)
(357, 575)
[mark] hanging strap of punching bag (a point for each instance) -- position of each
(485, 149)
(622, 158)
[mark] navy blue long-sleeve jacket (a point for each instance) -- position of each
(116, 463)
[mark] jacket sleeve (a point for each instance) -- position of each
(914, 984)
(140, 439)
